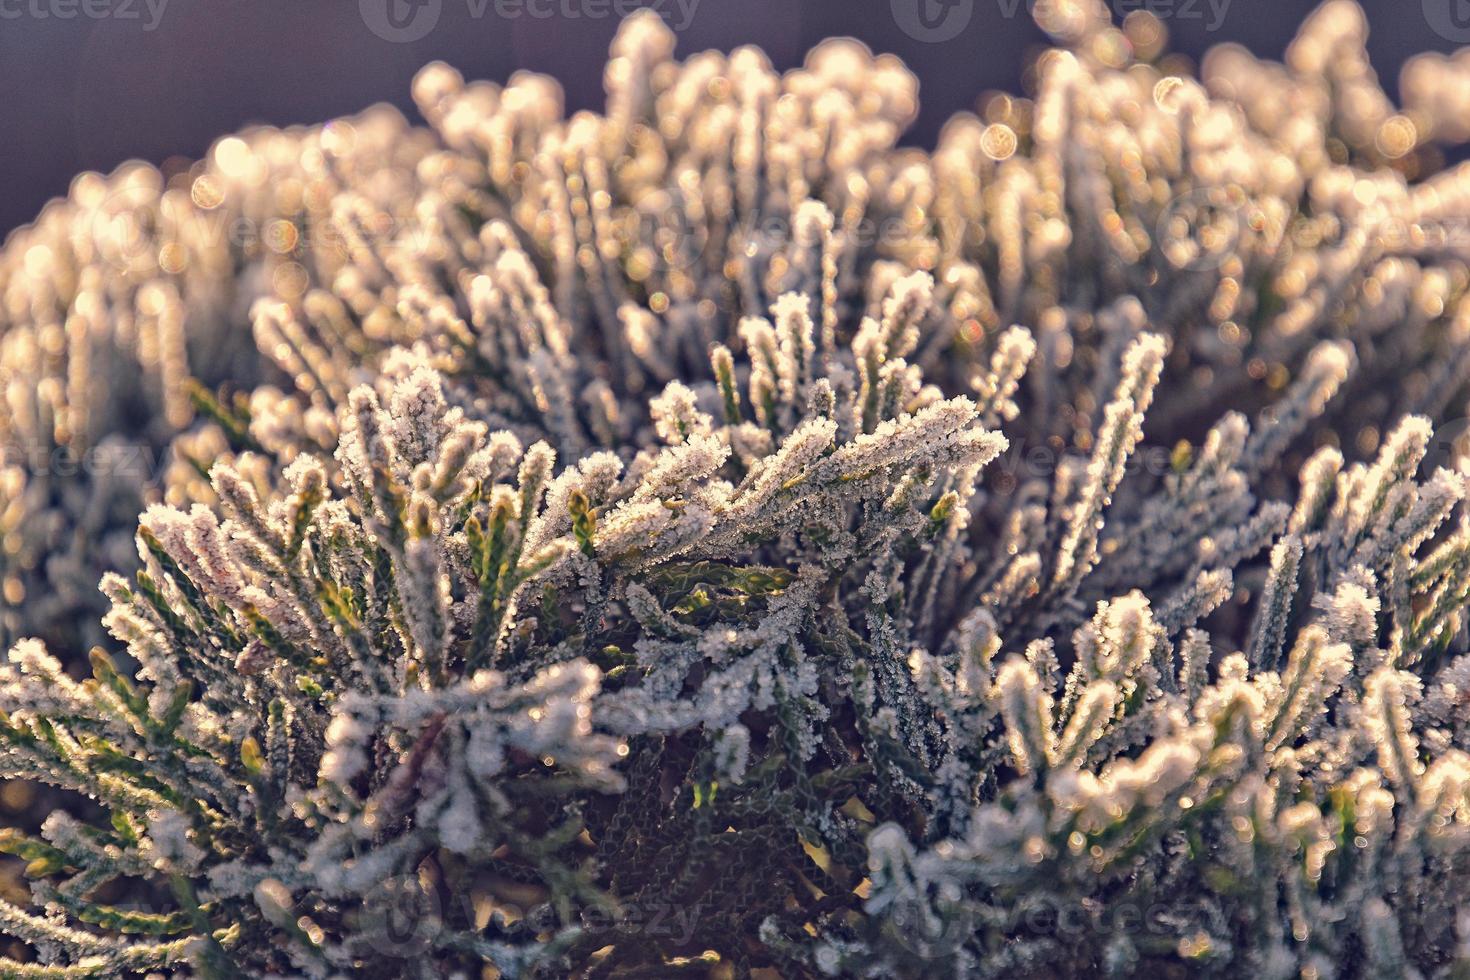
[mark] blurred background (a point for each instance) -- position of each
(88, 84)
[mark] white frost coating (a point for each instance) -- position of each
(704, 524)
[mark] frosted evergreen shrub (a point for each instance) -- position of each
(645, 544)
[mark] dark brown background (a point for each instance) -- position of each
(88, 93)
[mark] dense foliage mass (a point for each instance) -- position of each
(644, 544)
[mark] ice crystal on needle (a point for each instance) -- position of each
(703, 536)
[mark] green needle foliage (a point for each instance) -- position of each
(641, 544)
